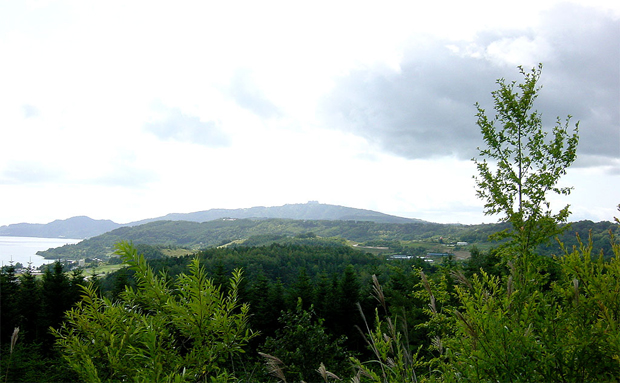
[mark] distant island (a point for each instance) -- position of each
(76, 227)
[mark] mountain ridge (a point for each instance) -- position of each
(82, 227)
(311, 210)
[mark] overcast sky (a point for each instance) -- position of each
(126, 110)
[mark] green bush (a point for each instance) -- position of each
(164, 330)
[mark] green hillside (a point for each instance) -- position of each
(396, 236)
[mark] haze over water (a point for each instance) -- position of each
(24, 249)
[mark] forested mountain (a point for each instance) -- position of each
(85, 227)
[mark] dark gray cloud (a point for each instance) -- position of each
(249, 96)
(427, 109)
(178, 126)
(583, 79)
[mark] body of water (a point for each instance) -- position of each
(24, 249)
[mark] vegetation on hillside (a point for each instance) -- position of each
(400, 237)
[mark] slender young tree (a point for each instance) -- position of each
(520, 165)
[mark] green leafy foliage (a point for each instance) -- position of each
(514, 316)
(546, 319)
(591, 287)
(503, 331)
(163, 330)
(519, 166)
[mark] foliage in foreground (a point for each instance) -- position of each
(545, 320)
(302, 345)
(181, 330)
(565, 330)
(483, 328)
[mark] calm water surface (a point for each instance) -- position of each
(24, 249)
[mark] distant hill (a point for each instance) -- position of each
(75, 227)
(84, 227)
(309, 211)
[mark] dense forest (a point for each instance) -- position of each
(318, 285)
(307, 305)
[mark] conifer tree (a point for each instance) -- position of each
(55, 300)
(9, 286)
(29, 306)
(302, 344)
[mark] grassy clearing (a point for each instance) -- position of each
(460, 253)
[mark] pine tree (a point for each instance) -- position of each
(30, 306)
(9, 314)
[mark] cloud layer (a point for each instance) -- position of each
(426, 108)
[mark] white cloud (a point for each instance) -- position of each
(182, 127)
(128, 110)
